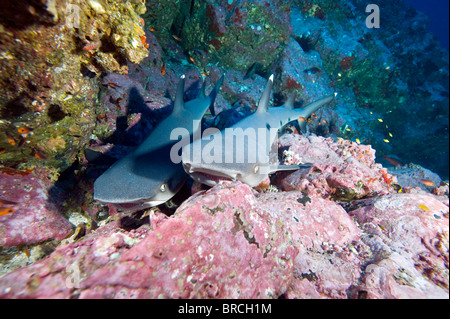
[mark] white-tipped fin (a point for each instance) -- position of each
(179, 102)
(265, 98)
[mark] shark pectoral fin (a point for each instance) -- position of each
(179, 101)
(265, 98)
(214, 93)
(284, 168)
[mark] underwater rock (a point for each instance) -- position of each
(215, 245)
(48, 86)
(33, 218)
(235, 34)
(231, 242)
(416, 176)
(302, 73)
(342, 169)
(408, 236)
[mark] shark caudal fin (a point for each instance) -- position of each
(265, 98)
(213, 94)
(307, 110)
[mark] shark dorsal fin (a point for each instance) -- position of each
(213, 94)
(265, 98)
(179, 101)
(201, 93)
(216, 89)
(290, 101)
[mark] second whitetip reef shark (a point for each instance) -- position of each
(244, 154)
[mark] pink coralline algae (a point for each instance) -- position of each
(408, 235)
(34, 219)
(342, 169)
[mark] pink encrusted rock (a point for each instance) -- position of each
(408, 235)
(342, 169)
(218, 244)
(231, 242)
(35, 219)
(326, 266)
(222, 243)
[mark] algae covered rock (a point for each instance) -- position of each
(48, 84)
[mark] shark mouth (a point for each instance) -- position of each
(210, 179)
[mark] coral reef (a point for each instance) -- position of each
(83, 83)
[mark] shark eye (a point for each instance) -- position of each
(163, 187)
(256, 169)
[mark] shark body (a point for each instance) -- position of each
(218, 156)
(147, 176)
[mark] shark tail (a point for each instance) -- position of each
(307, 110)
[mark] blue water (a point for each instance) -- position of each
(437, 11)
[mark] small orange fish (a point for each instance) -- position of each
(113, 85)
(143, 39)
(301, 118)
(24, 130)
(427, 182)
(6, 211)
(191, 59)
(163, 68)
(91, 46)
(392, 161)
(11, 140)
(39, 155)
(152, 29)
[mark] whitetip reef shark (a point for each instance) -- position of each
(220, 156)
(147, 177)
